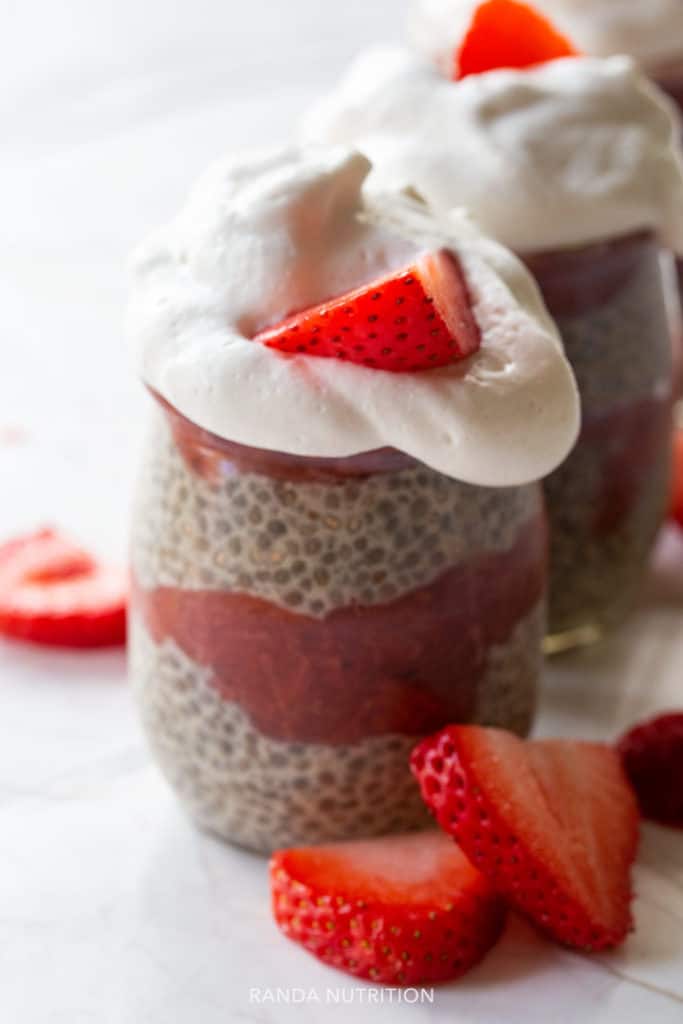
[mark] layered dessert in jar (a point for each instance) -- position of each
(573, 163)
(339, 542)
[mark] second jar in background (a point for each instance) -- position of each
(607, 501)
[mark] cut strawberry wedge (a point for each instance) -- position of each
(553, 824)
(676, 509)
(404, 910)
(52, 592)
(416, 319)
(509, 34)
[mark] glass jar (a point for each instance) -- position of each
(608, 500)
(298, 623)
(669, 78)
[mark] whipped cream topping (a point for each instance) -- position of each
(571, 152)
(268, 234)
(649, 30)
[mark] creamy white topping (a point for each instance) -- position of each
(571, 152)
(265, 235)
(649, 30)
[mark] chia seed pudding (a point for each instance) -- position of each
(607, 501)
(298, 624)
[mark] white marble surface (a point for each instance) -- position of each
(113, 910)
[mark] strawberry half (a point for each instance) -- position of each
(553, 824)
(52, 592)
(652, 755)
(402, 910)
(676, 510)
(416, 319)
(509, 34)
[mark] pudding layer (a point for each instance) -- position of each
(407, 666)
(298, 624)
(264, 793)
(310, 545)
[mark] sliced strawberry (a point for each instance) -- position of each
(508, 34)
(403, 910)
(52, 592)
(553, 824)
(676, 510)
(652, 755)
(416, 319)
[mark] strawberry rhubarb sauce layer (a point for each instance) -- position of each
(294, 622)
(265, 793)
(608, 499)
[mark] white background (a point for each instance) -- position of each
(112, 909)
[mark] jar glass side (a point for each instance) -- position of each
(297, 624)
(607, 502)
(669, 78)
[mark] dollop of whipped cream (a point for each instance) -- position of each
(649, 30)
(268, 234)
(571, 152)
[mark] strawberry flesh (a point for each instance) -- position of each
(508, 34)
(676, 509)
(54, 593)
(401, 910)
(652, 755)
(553, 825)
(416, 319)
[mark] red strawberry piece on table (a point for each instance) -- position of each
(652, 755)
(402, 910)
(54, 593)
(553, 824)
(509, 34)
(676, 511)
(415, 319)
